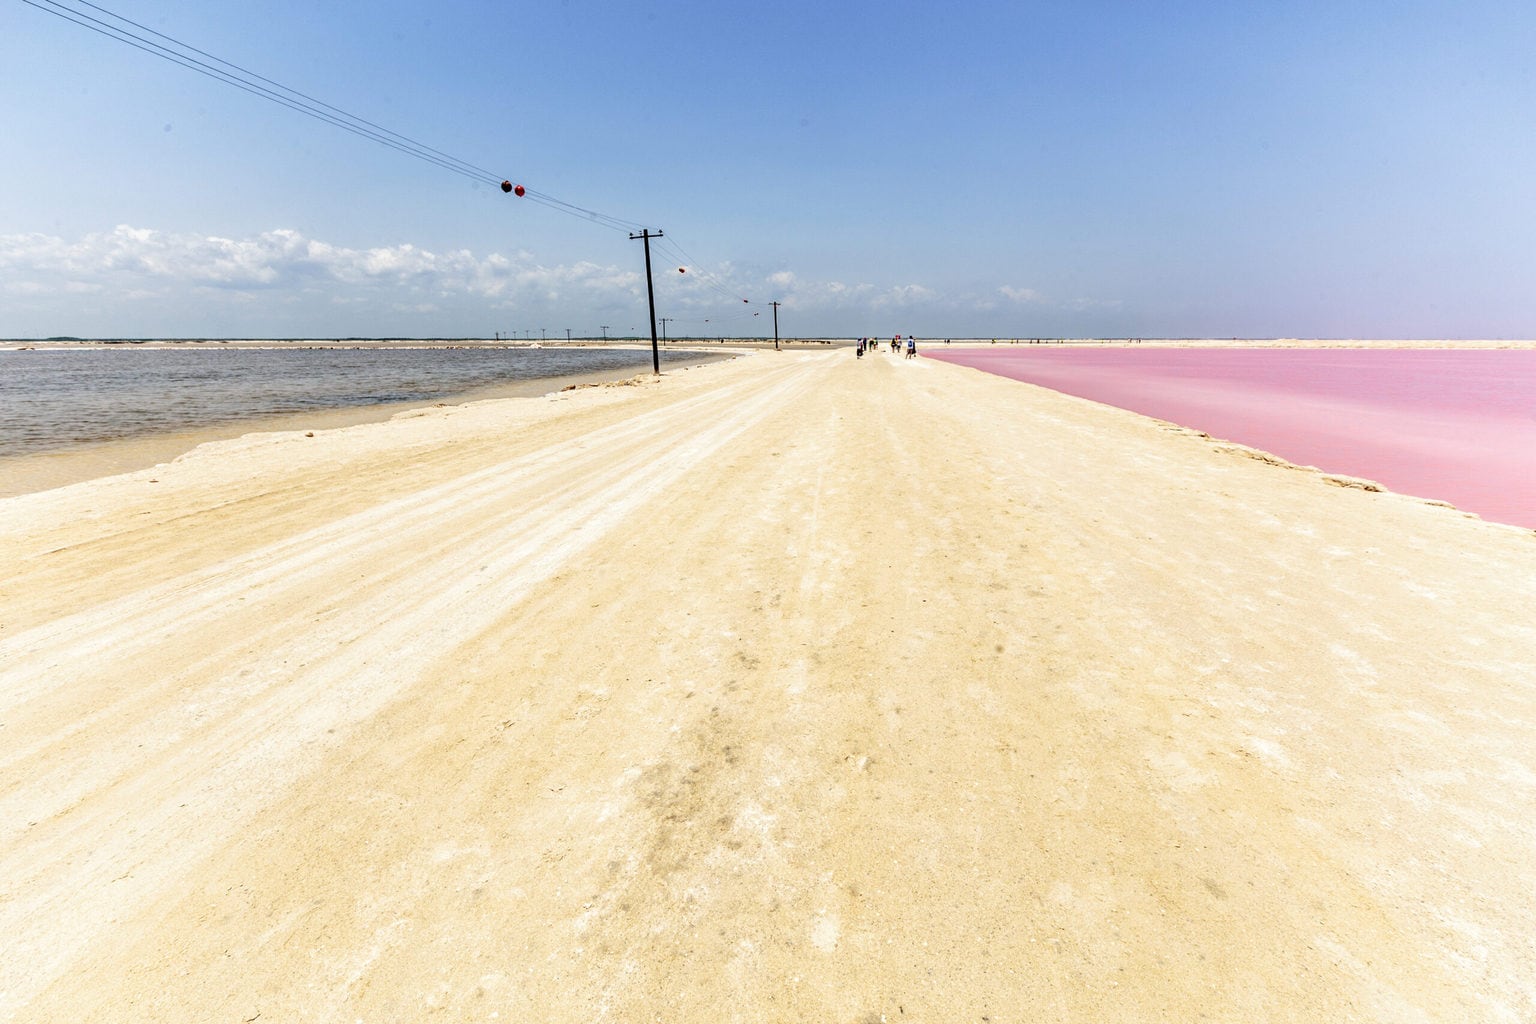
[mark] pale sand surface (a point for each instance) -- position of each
(789, 688)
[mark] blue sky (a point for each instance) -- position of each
(1086, 169)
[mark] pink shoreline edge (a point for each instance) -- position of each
(1457, 427)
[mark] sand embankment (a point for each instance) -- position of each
(24, 474)
(790, 688)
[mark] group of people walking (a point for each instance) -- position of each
(873, 343)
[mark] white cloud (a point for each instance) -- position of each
(129, 257)
(856, 298)
(140, 279)
(134, 281)
(904, 297)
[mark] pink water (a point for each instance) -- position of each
(1455, 426)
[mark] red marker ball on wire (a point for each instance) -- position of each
(507, 186)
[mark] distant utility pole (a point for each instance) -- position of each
(664, 321)
(541, 334)
(567, 334)
(650, 293)
(605, 332)
(776, 306)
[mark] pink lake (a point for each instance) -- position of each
(1455, 426)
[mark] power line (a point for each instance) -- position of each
(704, 276)
(279, 85)
(262, 87)
(208, 71)
(736, 318)
(250, 82)
(607, 221)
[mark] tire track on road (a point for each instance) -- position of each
(95, 838)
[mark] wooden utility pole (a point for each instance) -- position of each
(775, 306)
(650, 293)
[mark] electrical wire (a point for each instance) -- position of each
(739, 313)
(250, 82)
(208, 71)
(607, 221)
(704, 276)
(304, 96)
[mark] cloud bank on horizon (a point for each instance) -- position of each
(282, 283)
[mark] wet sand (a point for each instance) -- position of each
(795, 687)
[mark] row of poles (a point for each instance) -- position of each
(645, 235)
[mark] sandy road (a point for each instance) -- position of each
(796, 688)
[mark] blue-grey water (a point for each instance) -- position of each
(59, 398)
